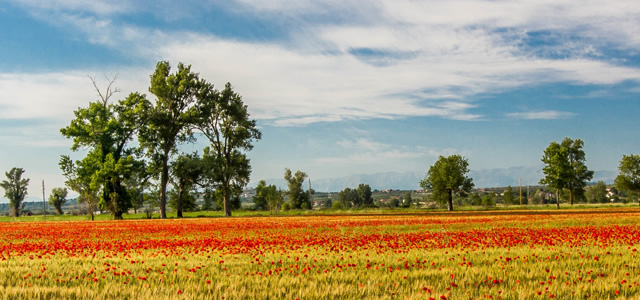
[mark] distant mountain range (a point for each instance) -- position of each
(411, 180)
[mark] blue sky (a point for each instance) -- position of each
(339, 87)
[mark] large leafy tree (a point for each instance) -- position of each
(223, 118)
(448, 176)
(298, 198)
(565, 167)
(628, 178)
(15, 189)
(106, 129)
(170, 118)
(58, 198)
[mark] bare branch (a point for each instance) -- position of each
(109, 91)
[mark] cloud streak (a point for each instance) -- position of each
(541, 115)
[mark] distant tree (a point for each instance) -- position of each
(297, 196)
(508, 196)
(58, 198)
(406, 199)
(327, 203)
(274, 198)
(628, 178)
(181, 202)
(260, 198)
(15, 189)
(364, 194)
(565, 167)
(209, 201)
(394, 202)
(489, 200)
(348, 197)
(186, 172)
(597, 193)
(475, 199)
(447, 177)
(337, 205)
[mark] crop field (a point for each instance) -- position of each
(573, 254)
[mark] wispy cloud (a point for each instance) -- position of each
(541, 115)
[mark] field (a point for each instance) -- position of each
(573, 254)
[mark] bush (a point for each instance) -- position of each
(286, 206)
(337, 205)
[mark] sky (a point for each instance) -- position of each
(338, 87)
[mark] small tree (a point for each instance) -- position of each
(297, 196)
(186, 171)
(364, 194)
(58, 198)
(260, 198)
(447, 177)
(628, 178)
(565, 167)
(406, 199)
(15, 189)
(508, 196)
(597, 193)
(488, 200)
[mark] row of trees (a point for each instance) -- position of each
(565, 171)
(114, 172)
(15, 189)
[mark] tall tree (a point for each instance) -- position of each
(406, 199)
(81, 180)
(364, 194)
(224, 119)
(170, 118)
(349, 197)
(15, 189)
(58, 198)
(106, 129)
(186, 170)
(628, 178)
(297, 196)
(447, 177)
(565, 167)
(508, 196)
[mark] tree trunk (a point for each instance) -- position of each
(179, 204)
(571, 196)
(558, 198)
(450, 200)
(227, 202)
(118, 216)
(59, 210)
(164, 179)
(14, 211)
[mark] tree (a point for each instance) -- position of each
(170, 119)
(58, 198)
(274, 198)
(223, 118)
(15, 189)
(475, 199)
(297, 195)
(447, 177)
(628, 178)
(105, 129)
(508, 196)
(260, 198)
(80, 178)
(186, 171)
(565, 167)
(488, 200)
(597, 193)
(406, 199)
(348, 197)
(364, 194)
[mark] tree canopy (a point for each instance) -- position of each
(298, 198)
(15, 189)
(628, 178)
(448, 176)
(565, 167)
(58, 198)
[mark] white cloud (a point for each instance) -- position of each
(541, 115)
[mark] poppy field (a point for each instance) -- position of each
(574, 254)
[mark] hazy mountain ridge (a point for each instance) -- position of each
(485, 178)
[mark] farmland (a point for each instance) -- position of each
(573, 254)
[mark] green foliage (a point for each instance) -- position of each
(105, 129)
(267, 197)
(180, 202)
(297, 195)
(447, 177)
(286, 206)
(327, 203)
(394, 202)
(597, 193)
(628, 178)
(364, 194)
(260, 198)
(508, 196)
(475, 199)
(349, 197)
(209, 201)
(186, 171)
(58, 198)
(15, 189)
(222, 117)
(565, 167)
(489, 200)
(168, 121)
(337, 205)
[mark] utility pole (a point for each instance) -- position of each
(520, 190)
(44, 209)
(310, 196)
